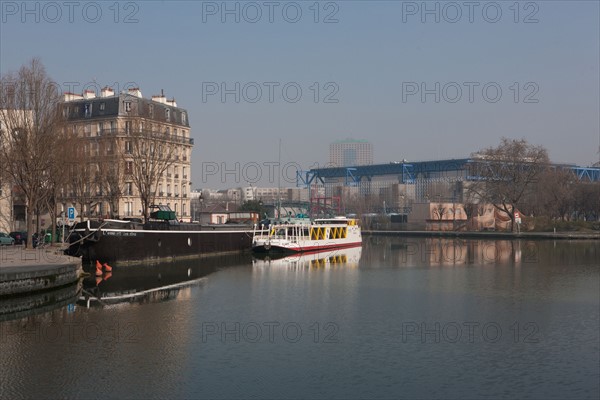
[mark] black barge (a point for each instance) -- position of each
(162, 238)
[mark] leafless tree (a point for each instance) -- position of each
(440, 210)
(152, 154)
(112, 175)
(555, 193)
(30, 114)
(507, 172)
(82, 174)
(587, 201)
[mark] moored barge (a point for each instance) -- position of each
(162, 238)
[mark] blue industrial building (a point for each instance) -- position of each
(403, 183)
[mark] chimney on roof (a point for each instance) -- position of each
(107, 92)
(89, 94)
(135, 92)
(172, 102)
(68, 96)
(160, 98)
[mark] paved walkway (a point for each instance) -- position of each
(24, 271)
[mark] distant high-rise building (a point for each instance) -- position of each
(349, 152)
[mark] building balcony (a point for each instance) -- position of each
(135, 132)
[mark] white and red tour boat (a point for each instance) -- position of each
(317, 235)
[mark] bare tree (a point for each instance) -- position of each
(112, 175)
(439, 211)
(56, 178)
(82, 171)
(507, 172)
(555, 193)
(587, 201)
(152, 154)
(30, 114)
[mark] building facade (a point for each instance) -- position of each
(126, 138)
(348, 153)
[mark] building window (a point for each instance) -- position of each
(129, 189)
(102, 106)
(168, 114)
(88, 110)
(128, 147)
(129, 168)
(128, 127)
(183, 210)
(151, 110)
(88, 130)
(183, 118)
(127, 106)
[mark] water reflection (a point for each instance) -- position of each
(450, 251)
(19, 307)
(392, 303)
(323, 259)
(152, 283)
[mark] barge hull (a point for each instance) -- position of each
(142, 246)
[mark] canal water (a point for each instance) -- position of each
(397, 318)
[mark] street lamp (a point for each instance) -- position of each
(201, 198)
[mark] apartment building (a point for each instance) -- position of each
(132, 137)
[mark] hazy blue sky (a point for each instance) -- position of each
(372, 57)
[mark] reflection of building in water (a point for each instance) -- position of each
(324, 259)
(411, 252)
(444, 251)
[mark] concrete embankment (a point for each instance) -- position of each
(25, 271)
(490, 235)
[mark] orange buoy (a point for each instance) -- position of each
(107, 267)
(106, 276)
(98, 268)
(98, 280)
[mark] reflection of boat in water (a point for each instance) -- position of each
(349, 257)
(163, 238)
(320, 234)
(152, 283)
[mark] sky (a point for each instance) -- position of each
(419, 80)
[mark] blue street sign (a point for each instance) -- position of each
(71, 212)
